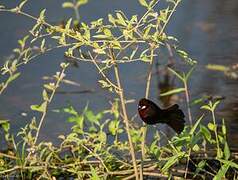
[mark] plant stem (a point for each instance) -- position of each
(144, 128)
(144, 131)
(190, 120)
(102, 73)
(186, 170)
(50, 99)
(76, 11)
(215, 131)
(124, 112)
(188, 102)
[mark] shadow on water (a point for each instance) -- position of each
(207, 29)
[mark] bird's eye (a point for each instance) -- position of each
(142, 107)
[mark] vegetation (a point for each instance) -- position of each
(107, 144)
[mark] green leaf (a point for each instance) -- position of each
(121, 20)
(81, 2)
(217, 67)
(227, 152)
(113, 126)
(196, 148)
(173, 91)
(45, 95)
(70, 110)
(102, 137)
(92, 118)
(5, 125)
(68, 24)
(211, 126)
(39, 108)
(215, 105)
(13, 77)
(49, 86)
(42, 14)
(207, 107)
(100, 36)
(68, 5)
(111, 19)
(171, 161)
(107, 32)
(22, 4)
(223, 127)
(205, 132)
(192, 131)
(143, 3)
(230, 163)
(222, 172)
(94, 175)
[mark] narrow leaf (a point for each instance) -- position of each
(173, 91)
(67, 5)
(143, 3)
(13, 77)
(39, 108)
(196, 125)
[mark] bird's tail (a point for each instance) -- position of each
(175, 118)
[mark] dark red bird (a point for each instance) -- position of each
(150, 113)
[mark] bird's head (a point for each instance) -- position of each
(143, 105)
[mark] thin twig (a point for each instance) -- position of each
(8, 156)
(61, 76)
(124, 111)
(97, 156)
(144, 130)
(103, 74)
(188, 103)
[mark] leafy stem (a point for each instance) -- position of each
(124, 112)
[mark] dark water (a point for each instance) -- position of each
(208, 30)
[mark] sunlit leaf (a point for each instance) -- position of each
(121, 19)
(196, 148)
(173, 91)
(13, 77)
(227, 152)
(5, 124)
(192, 131)
(230, 163)
(205, 132)
(217, 67)
(39, 108)
(171, 161)
(143, 3)
(211, 126)
(81, 2)
(221, 173)
(45, 95)
(206, 107)
(68, 5)
(94, 175)
(22, 4)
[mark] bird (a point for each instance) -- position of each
(152, 114)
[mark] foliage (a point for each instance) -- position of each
(106, 144)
